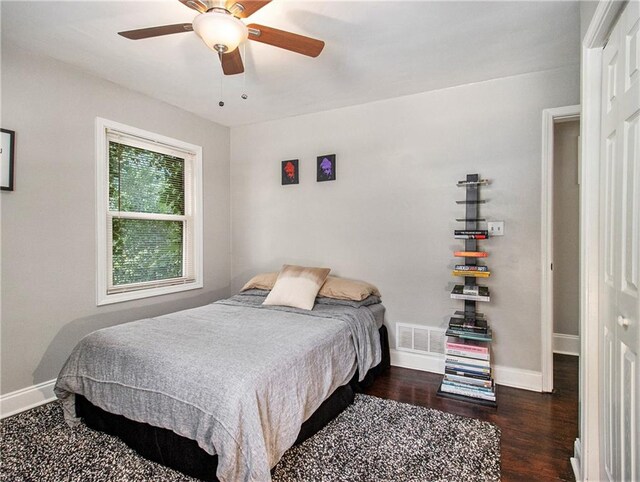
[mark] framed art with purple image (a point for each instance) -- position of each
(326, 168)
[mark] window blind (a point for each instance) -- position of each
(149, 220)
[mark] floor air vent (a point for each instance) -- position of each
(419, 339)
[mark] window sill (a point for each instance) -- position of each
(105, 299)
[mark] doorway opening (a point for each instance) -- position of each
(560, 237)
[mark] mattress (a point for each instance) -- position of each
(168, 448)
(234, 375)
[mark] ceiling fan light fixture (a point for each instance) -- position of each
(220, 30)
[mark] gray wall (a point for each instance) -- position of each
(49, 221)
(390, 216)
(566, 228)
(587, 9)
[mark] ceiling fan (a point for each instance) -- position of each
(220, 26)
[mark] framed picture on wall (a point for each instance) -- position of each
(290, 172)
(326, 168)
(7, 153)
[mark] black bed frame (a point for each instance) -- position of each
(185, 455)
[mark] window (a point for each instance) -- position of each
(149, 214)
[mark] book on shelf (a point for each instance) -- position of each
(470, 289)
(471, 236)
(471, 274)
(470, 254)
(462, 314)
(482, 294)
(469, 380)
(471, 324)
(456, 391)
(472, 183)
(464, 379)
(471, 231)
(471, 346)
(468, 354)
(465, 386)
(475, 372)
(478, 370)
(467, 374)
(467, 330)
(462, 332)
(470, 335)
(469, 267)
(459, 389)
(467, 361)
(464, 369)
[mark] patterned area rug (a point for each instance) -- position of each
(373, 439)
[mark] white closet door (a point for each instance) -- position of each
(620, 248)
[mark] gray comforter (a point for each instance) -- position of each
(237, 377)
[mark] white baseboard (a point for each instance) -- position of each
(21, 400)
(507, 376)
(576, 460)
(566, 344)
(518, 378)
(417, 361)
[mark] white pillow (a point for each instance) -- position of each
(297, 287)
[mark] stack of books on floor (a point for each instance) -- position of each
(467, 369)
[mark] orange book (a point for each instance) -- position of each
(473, 274)
(471, 254)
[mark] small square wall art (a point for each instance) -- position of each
(290, 172)
(327, 168)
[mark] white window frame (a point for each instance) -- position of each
(103, 216)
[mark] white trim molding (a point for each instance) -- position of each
(576, 459)
(589, 467)
(566, 344)
(506, 376)
(550, 117)
(417, 361)
(26, 398)
(193, 212)
(518, 378)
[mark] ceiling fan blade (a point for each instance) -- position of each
(244, 8)
(286, 40)
(195, 4)
(156, 31)
(232, 63)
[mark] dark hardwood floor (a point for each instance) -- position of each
(538, 430)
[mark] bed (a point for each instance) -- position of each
(220, 392)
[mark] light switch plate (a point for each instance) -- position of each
(496, 228)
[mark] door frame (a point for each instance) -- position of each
(586, 461)
(550, 117)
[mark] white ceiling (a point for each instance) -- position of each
(374, 50)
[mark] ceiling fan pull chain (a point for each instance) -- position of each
(221, 103)
(244, 95)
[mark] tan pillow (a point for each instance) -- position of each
(333, 287)
(262, 281)
(347, 289)
(297, 286)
